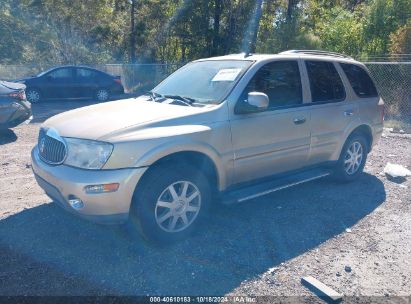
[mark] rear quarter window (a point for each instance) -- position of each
(360, 81)
(325, 83)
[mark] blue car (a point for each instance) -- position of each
(72, 82)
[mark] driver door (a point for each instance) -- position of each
(59, 83)
(277, 139)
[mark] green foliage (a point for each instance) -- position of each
(340, 30)
(400, 40)
(49, 32)
(383, 18)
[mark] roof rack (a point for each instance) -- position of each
(315, 52)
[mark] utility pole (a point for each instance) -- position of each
(250, 37)
(133, 32)
(216, 30)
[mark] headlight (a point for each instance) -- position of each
(87, 154)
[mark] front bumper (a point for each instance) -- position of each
(63, 182)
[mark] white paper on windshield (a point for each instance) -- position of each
(226, 75)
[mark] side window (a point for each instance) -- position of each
(61, 74)
(281, 82)
(86, 73)
(325, 83)
(360, 81)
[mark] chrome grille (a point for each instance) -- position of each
(51, 149)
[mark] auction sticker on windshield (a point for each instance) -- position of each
(226, 75)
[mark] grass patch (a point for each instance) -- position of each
(398, 124)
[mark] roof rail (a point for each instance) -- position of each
(316, 52)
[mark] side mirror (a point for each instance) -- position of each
(256, 102)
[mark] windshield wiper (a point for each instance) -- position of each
(154, 95)
(187, 100)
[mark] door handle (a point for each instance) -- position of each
(299, 120)
(349, 113)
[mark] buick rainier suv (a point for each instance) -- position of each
(225, 129)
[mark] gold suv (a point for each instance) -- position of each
(226, 129)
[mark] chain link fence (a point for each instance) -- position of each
(135, 77)
(393, 80)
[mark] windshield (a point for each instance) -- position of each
(204, 81)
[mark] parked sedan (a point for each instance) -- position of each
(72, 82)
(14, 108)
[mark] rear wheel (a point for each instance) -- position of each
(352, 159)
(33, 95)
(102, 94)
(170, 203)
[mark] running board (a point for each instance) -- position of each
(267, 187)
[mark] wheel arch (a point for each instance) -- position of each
(33, 87)
(199, 160)
(189, 151)
(362, 129)
(366, 131)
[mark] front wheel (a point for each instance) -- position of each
(170, 203)
(352, 159)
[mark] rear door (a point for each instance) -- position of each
(86, 82)
(331, 112)
(277, 139)
(370, 105)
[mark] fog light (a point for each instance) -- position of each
(76, 203)
(93, 189)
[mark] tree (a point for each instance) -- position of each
(50, 32)
(250, 37)
(383, 17)
(400, 40)
(133, 31)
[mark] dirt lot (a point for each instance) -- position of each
(262, 247)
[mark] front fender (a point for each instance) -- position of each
(182, 145)
(144, 148)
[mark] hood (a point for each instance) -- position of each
(98, 121)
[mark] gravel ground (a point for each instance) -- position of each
(356, 238)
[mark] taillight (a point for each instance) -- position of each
(18, 95)
(118, 80)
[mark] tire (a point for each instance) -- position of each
(352, 160)
(33, 95)
(102, 95)
(164, 217)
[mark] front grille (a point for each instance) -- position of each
(52, 150)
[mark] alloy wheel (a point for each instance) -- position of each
(33, 96)
(178, 206)
(102, 95)
(353, 158)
